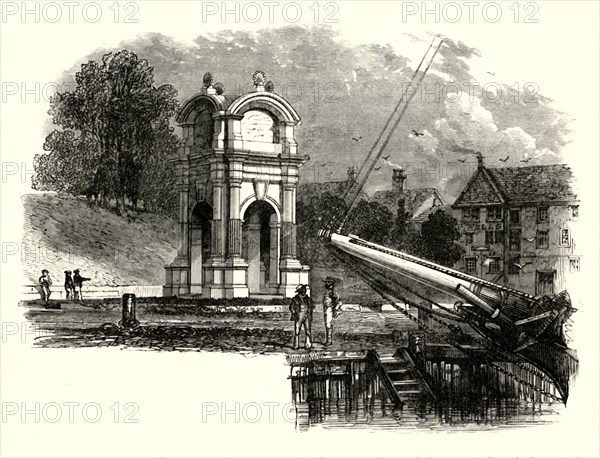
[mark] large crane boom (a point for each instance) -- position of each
(388, 129)
(527, 328)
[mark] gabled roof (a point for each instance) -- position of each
(424, 216)
(413, 199)
(535, 183)
(538, 183)
(307, 191)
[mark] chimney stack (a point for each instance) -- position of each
(352, 174)
(398, 180)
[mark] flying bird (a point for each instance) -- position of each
(504, 160)
(417, 133)
(520, 266)
(356, 139)
(526, 160)
(462, 160)
(529, 240)
(377, 168)
(493, 74)
(385, 158)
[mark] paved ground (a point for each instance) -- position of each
(81, 325)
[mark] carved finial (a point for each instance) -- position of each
(259, 78)
(220, 88)
(207, 80)
(269, 86)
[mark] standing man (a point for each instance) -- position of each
(45, 282)
(332, 307)
(69, 285)
(301, 309)
(78, 281)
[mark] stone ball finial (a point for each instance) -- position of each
(220, 88)
(207, 79)
(269, 86)
(259, 78)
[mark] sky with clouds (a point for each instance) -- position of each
(344, 78)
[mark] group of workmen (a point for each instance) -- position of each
(302, 308)
(73, 284)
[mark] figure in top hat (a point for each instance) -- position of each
(78, 281)
(69, 285)
(332, 307)
(301, 309)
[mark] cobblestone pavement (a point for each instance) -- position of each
(78, 325)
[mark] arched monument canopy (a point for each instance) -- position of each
(266, 101)
(188, 111)
(250, 200)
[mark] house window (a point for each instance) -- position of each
(492, 237)
(471, 214)
(575, 211)
(515, 217)
(542, 214)
(494, 266)
(514, 239)
(489, 237)
(542, 239)
(494, 213)
(500, 237)
(469, 238)
(565, 237)
(471, 265)
(573, 265)
(544, 282)
(513, 266)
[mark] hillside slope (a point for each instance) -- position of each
(64, 234)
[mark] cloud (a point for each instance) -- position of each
(343, 90)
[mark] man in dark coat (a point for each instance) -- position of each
(78, 282)
(301, 309)
(69, 285)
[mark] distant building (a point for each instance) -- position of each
(419, 203)
(518, 226)
(307, 192)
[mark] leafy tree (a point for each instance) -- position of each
(371, 221)
(115, 127)
(312, 215)
(438, 238)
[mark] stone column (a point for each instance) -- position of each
(274, 251)
(236, 269)
(213, 286)
(217, 249)
(288, 248)
(178, 272)
(253, 253)
(234, 228)
(183, 247)
(290, 269)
